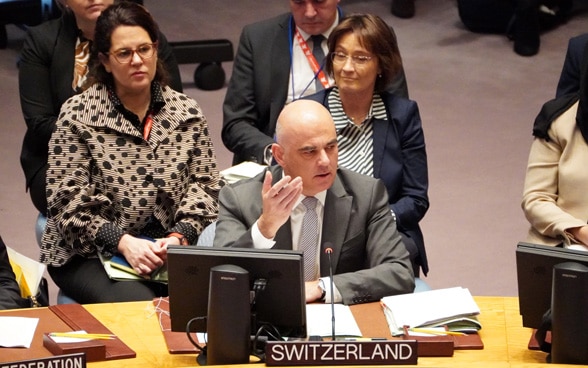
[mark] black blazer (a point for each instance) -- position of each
(569, 80)
(45, 76)
(258, 88)
(400, 161)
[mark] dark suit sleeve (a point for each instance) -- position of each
(411, 200)
(387, 269)
(569, 80)
(236, 216)
(166, 53)
(9, 290)
(241, 132)
(39, 105)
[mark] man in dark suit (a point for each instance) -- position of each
(268, 211)
(569, 80)
(270, 70)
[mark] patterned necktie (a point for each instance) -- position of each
(309, 238)
(81, 64)
(319, 56)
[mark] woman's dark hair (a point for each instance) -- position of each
(123, 13)
(377, 38)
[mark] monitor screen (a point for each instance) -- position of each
(535, 275)
(282, 303)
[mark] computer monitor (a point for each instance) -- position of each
(535, 276)
(281, 304)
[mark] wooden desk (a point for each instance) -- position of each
(505, 341)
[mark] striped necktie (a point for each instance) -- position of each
(309, 238)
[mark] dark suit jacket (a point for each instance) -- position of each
(258, 88)
(369, 259)
(9, 290)
(45, 76)
(400, 160)
(569, 80)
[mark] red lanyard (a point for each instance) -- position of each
(316, 69)
(147, 126)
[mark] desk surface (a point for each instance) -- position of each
(505, 341)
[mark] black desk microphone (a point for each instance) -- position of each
(329, 251)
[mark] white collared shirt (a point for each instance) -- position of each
(303, 74)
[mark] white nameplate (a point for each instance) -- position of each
(77, 360)
(388, 352)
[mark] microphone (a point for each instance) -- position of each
(329, 251)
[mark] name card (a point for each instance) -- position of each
(57, 361)
(389, 352)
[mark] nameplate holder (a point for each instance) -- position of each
(387, 352)
(94, 350)
(68, 360)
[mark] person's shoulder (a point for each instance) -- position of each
(581, 38)
(52, 28)
(351, 177)
(265, 24)
(181, 102)
(398, 106)
(89, 95)
(248, 185)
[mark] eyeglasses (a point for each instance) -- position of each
(341, 58)
(125, 56)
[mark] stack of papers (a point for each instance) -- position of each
(453, 308)
(244, 170)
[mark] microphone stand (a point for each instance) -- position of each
(329, 251)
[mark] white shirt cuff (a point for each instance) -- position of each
(260, 241)
(326, 283)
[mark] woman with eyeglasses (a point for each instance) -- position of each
(131, 169)
(52, 68)
(378, 134)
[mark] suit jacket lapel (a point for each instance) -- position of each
(336, 214)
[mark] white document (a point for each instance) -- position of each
(319, 320)
(429, 308)
(17, 332)
(244, 170)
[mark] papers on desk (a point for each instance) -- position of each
(451, 307)
(17, 332)
(319, 318)
(244, 170)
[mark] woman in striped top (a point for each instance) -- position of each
(379, 134)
